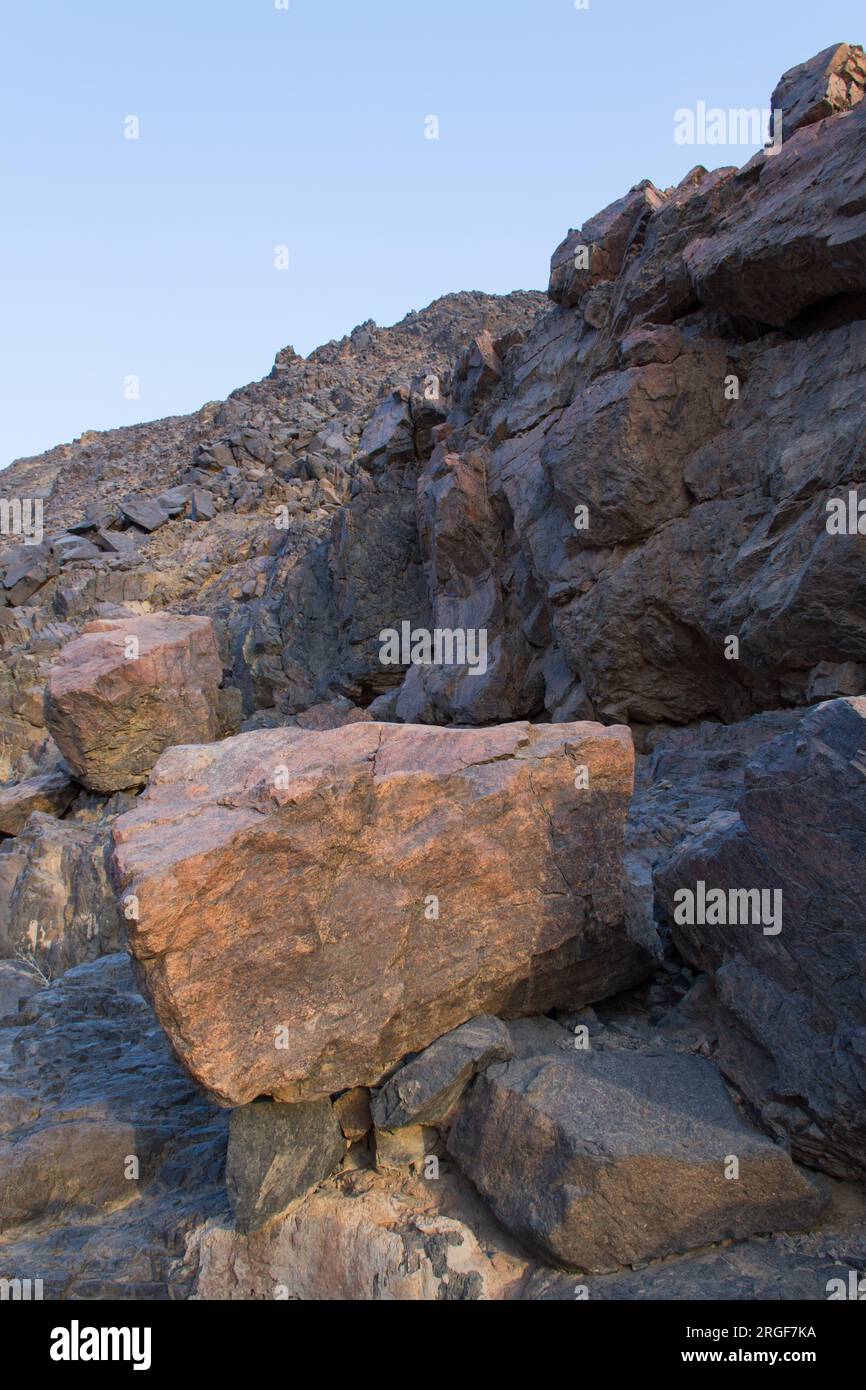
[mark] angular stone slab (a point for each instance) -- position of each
(149, 516)
(612, 1158)
(425, 1089)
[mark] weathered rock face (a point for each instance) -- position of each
(370, 1237)
(17, 984)
(640, 477)
(126, 689)
(809, 205)
(616, 485)
(89, 1047)
(94, 1110)
(595, 1160)
(832, 81)
(406, 879)
(597, 251)
(792, 1003)
(276, 1155)
(57, 906)
(686, 776)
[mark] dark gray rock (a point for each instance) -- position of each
(390, 433)
(425, 1090)
(609, 1158)
(17, 983)
(148, 516)
(792, 1004)
(781, 1269)
(276, 1155)
(94, 1109)
(203, 507)
(685, 776)
(69, 547)
(783, 249)
(175, 499)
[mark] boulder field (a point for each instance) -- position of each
(433, 787)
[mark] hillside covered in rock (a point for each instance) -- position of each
(433, 786)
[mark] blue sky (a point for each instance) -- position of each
(305, 127)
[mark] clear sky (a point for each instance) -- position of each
(304, 127)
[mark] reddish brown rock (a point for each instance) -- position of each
(129, 687)
(605, 240)
(832, 81)
(311, 907)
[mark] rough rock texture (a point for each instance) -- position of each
(424, 1091)
(782, 1269)
(595, 1160)
(90, 1045)
(87, 1083)
(17, 982)
(406, 879)
(276, 1155)
(699, 392)
(57, 905)
(50, 792)
(684, 777)
(352, 1109)
(367, 1237)
(832, 81)
(698, 389)
(128, 688)
(408, 1146)
(792, 1006)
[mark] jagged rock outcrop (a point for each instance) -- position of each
(405, 880)
(788, 970)
(832, 81)
(640, 480)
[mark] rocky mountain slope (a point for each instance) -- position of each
(464, 731)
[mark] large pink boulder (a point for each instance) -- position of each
(309, 907)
